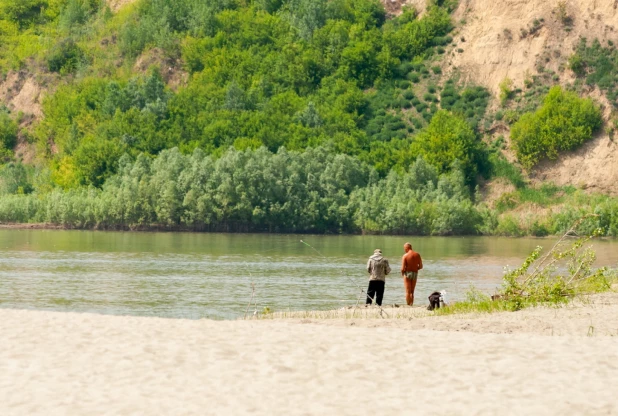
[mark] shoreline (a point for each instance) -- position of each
(201, 230)
(84, 364)
(595, 312)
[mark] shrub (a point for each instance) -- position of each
(429, 97)
(510, 116)
(24, 12)
(501, 168)
(577, 65)
(563, 14)
(15, 179)
(538, 229)
(77, 12)
(417, 123)
(564, 122)
(508, 226)
(65, 57)
(413, 76)
(8, 131)
(506, 91)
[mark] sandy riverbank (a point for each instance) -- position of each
(538, 361)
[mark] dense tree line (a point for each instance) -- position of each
(288, 191)
(255, 190)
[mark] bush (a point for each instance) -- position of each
(429, 97)
(24, 12)
(506, 91)
(564, 122)
(8, 131)
(65, 57)
(15, 179)
(77, 12)
(501, 168)
(414, 77)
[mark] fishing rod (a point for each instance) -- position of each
(363, 291)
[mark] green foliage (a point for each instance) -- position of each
(547, 282)
(96, 115)
(240, 191)
(577, 65)
(77, 12)
(15, 178)
(553, 278)
(307, 15)
(418, 202)
(502, 168)
(8, 130)
(564, 122)
(598, 65)
(65, 57)
(448, 138)
(506, 91)
(266, 73)
(414, 37)
(24, 12)
(471, 102)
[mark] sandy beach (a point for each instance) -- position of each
(537, 361)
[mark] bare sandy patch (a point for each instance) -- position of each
(593, 167)
(495, 47)
(115, 5)
(594, 315)
(20, 92)
(84, 364)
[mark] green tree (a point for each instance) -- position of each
(449, 138)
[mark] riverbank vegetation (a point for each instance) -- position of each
(556, 277)
(316, 190)
(271, 116)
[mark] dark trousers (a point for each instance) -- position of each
(376, 289)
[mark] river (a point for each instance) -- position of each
(191, 275)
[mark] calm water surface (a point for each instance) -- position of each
(185, 275)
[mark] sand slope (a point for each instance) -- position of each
(82, 364)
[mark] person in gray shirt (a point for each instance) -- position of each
(378, 268)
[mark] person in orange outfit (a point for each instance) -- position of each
(411, 263)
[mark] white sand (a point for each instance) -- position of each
(84, 364)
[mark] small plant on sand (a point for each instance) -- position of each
(563, 14)
(553, 278)
(562, 273)
(506, 91)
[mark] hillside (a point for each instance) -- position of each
(383, 84)
(496, 48)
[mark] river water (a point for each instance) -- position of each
(189, 275)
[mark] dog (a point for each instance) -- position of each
(435, 299)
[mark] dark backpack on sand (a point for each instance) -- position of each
(434, 301)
